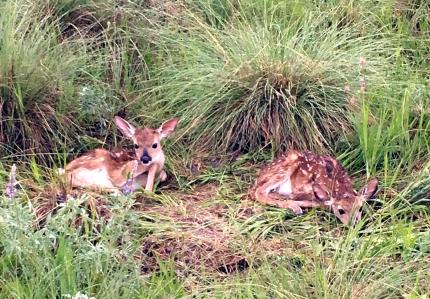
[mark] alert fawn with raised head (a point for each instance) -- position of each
(297, 180)
(112, 171)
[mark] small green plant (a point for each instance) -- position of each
(62, 258)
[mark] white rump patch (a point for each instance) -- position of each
(91, 178)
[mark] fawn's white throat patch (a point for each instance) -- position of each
(285, 188)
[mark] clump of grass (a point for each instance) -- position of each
(65, 71)
(254, 83)
(391, 133)
(35, 87)
(418, 191)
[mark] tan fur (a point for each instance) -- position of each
(297, 180)
(110, 170)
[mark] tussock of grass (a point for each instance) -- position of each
(32, 80)
(266, 83)
(63, 74)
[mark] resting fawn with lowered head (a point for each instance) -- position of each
(299, 180)
(103, 169)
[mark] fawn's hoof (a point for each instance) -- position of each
(163, 176)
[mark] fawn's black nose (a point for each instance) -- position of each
(146, 158)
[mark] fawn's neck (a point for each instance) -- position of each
(134, 168)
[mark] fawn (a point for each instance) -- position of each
(299, 180)
(112, 171)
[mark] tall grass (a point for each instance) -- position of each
(65, 71)
(395, 139)
(267, 82)
(36, 79)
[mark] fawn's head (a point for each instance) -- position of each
(146, 141)
(348, 208)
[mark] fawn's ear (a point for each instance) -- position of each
(369, 190)
(168, 127)
(320, 193)
(125, 127)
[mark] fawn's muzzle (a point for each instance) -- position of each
(146, 158)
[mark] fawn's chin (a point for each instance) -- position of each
(146, 164)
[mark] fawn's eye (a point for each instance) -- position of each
(154, 145)
(135, 146)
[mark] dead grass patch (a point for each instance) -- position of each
(196, 238)
(197, 235)
(48, 199)
(200, 193)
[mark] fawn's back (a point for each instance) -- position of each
(305, 170)
(298, 180)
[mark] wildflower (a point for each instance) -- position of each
(363, 63)
(11, 190)
(363, 85)
(128, 186)
(347, 89)
(84, 91)
(78, 295)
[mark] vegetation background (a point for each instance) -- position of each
(248, 79)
